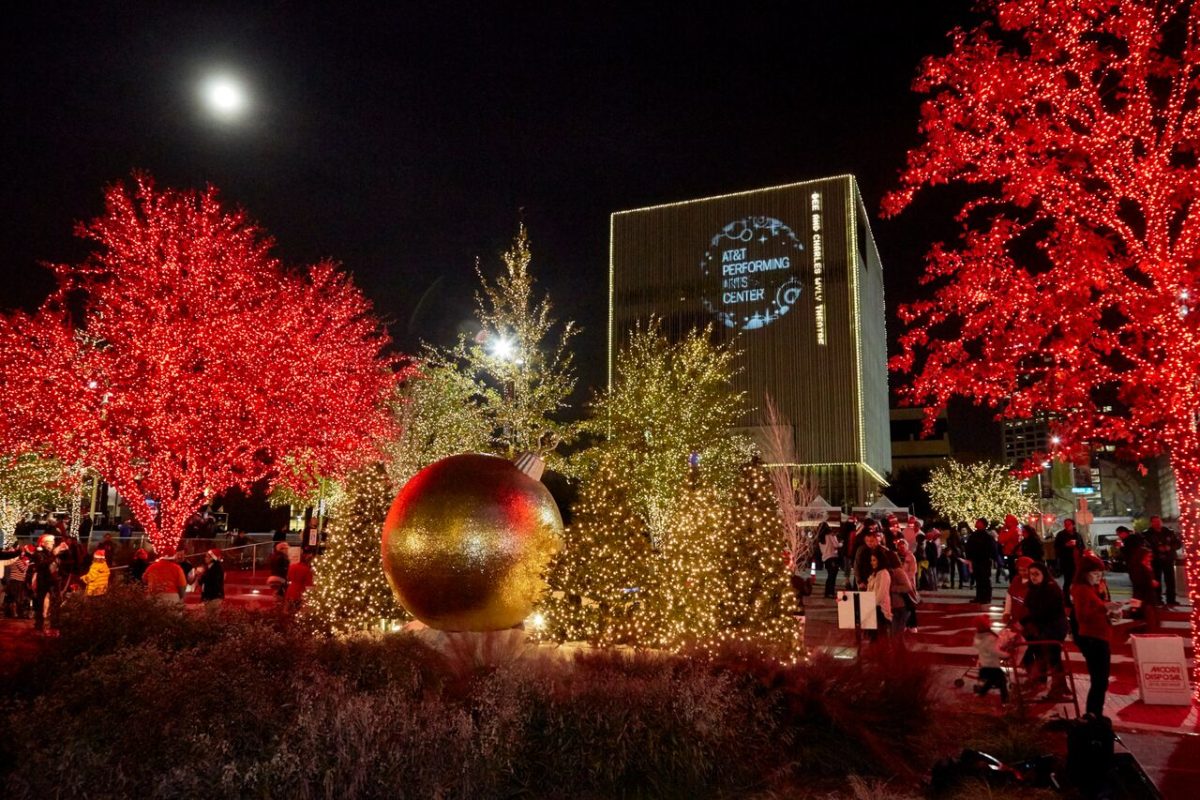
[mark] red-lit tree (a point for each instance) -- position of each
(1071, 290)
(181, 359)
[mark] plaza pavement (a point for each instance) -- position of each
(1165, 739)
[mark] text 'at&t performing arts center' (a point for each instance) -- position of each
(792, 274)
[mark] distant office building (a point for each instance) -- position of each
(910, 448)
(1025, 438)
(792, 274)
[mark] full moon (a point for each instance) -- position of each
(224, 96)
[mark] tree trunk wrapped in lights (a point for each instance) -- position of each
(1071, 291)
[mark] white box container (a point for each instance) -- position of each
(868, 620)
(1161, 669)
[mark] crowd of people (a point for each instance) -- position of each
(38, 577)
(896, 561)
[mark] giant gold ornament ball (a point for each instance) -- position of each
(467, 541)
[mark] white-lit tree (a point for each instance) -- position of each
(670, 404)
(349, 592)
(438, 410)
(965, 492)
(29, 483)
(522, 367)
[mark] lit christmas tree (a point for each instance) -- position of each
(182, 359)
(523, 373)
(686, 610)
(601, 579)
(438, 414)
(670, 402)
(758, 600)
(671, 545)
(1072, 289)
(717, 575)
(349, 592)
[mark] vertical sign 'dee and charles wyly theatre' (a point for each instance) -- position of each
(791, 274)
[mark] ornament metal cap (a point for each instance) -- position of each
(531, 464)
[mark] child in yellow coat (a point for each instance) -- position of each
(96, 578)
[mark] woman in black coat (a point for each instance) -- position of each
(212, 581)
(1046, 620)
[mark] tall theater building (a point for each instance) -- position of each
(791, 275)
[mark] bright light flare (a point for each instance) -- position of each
(225, 96)
(502, 348)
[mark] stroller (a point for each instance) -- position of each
(1014, 647)
(1010, 645)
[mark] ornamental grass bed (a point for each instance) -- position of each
(139, 699)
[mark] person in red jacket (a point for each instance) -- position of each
(299, 578)
(1010, 542)
(1095, 630)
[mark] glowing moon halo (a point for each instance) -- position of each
(224, 96)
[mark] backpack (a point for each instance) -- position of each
(1089, 748)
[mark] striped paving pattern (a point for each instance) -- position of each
(946, 632)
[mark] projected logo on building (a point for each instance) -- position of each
(750, 272)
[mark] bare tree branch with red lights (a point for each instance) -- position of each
(181, 359)
(1071, 290)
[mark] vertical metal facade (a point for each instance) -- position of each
(791, 275)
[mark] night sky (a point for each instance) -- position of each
(406, 139)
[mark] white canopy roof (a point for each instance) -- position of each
(821, 503)
(816, 512)
(882, 506)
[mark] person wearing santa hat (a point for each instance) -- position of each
(46, 584)
(212, 582)
(96, 578)
(165, 580)
(1095, 630)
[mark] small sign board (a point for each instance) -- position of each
(864, 602)
(1161, 669)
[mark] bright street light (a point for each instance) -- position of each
(502, 348)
